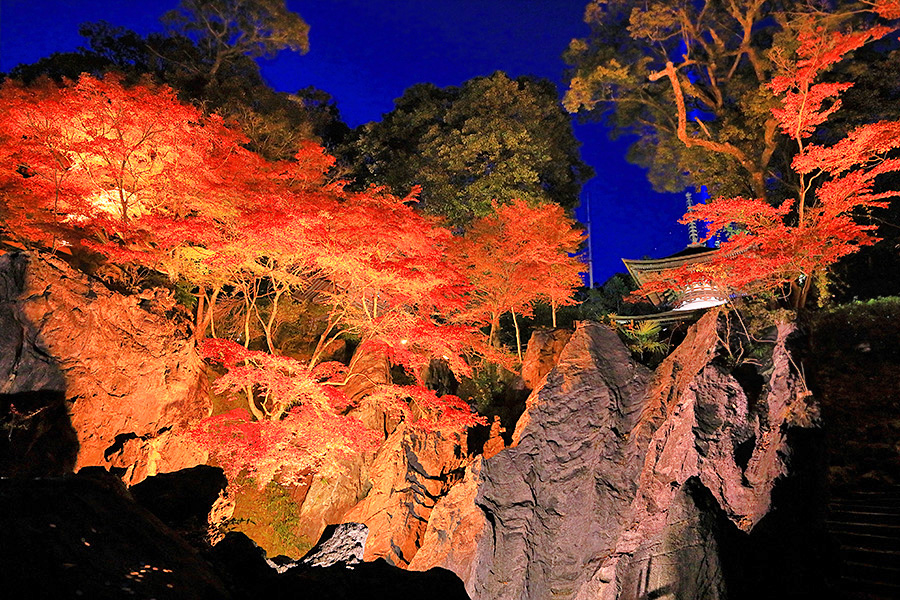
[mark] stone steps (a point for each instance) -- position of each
(866, 527)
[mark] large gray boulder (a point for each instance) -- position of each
(627, 484)
(556, 502)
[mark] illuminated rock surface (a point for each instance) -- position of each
(410, 472)
(542, 354)
(340, 544)
(130, 375)
(630, 484)
(553, 503)
(455, 529)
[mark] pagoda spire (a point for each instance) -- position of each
(692, 226)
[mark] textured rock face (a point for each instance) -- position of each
(340, 544)
(410, 472)
(544, 349)
(328, 499)
(130, 378)
(681, 560)
(623, 483)
(455, 529)
(554, 502)
(710, 433)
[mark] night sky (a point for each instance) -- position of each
(366, 52)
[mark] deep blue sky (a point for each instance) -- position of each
(365, 53)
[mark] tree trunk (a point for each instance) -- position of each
(210, 309)
(324, 340)
(200, 318)
(518, 339)
(251, 404)
(268, 323)
(247, 312)
(205, 314)
(494, 336)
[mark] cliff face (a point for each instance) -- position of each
(550, 501)
(410, 472)
(626, 483)
(115, 373)
(620, 482)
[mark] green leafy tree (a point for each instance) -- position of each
(689, 79)
(493, 138)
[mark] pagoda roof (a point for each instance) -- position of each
(690, 254)
(641, 270)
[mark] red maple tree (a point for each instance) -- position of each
(144, 180)
(516, 256)
(96, 155)
(791, 246)
(295, 422)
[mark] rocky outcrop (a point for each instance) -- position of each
(454, 529)
(710, 433)
(542, 354)
(623, 483)
(327, 499)
(554, 502)
(129, 376)
(340, 544)
(410, 472)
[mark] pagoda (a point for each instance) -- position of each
(698, 296)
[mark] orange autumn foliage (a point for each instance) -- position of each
(299, 422)
(129, 175)
(517, 256)
(791, 246)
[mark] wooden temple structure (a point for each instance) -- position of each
(678, 304)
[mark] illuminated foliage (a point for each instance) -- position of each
(517, 256)
(298, 423)
(794, 244)
(96, 156)
(133, 177)
(689, 79)
(305, 440)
